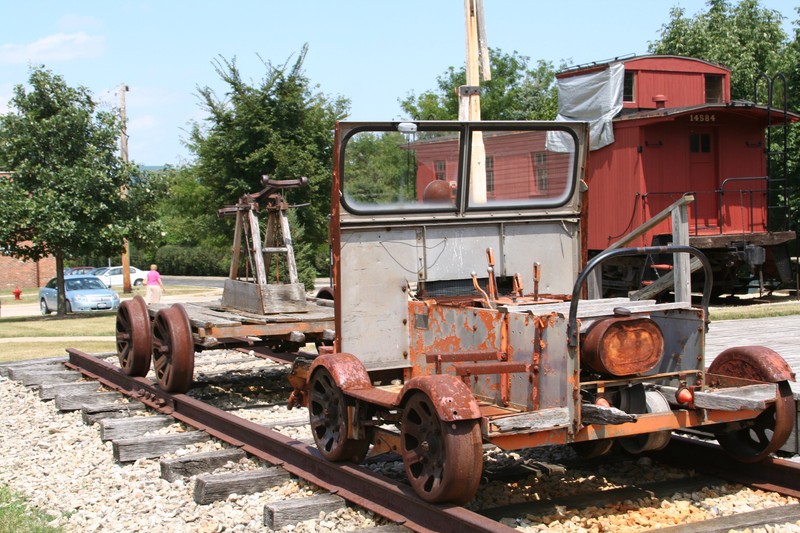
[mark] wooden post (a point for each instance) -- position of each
(123, 142)
(236, 251)
(260, 274)
(680, 236)
(470, 98)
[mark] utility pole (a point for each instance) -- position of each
(123, 145)
(469, 95)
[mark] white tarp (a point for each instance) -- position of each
(595, 98)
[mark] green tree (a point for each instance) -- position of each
(517, 91)
(280, 127)
(65, 194)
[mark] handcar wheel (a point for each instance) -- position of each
(327, 408)
(173, 349)
(590, 449)
(768, 431)
(134, 339)
(443, 460)
(657, 440)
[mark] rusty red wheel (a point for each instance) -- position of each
(769, 430)
(443, 460)
(327, 407)
(173, 349)
(134, 340)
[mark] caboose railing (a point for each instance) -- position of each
(747, 204)
(678, 210)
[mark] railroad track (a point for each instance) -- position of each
(395, 501)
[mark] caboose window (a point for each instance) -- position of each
(700, 143)
(490, 174)
(714, 93)
(441, 169)
(539, 160)
(629, 87)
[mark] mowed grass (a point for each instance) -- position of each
(101, 325)
(17, 516)
(31, 295)
(73, 325)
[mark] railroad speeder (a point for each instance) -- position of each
(463, 315)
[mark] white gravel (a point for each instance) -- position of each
(63, 468)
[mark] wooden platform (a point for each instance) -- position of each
(212, 319)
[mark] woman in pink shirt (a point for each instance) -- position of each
(154, 286)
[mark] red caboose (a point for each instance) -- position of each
(663, 126)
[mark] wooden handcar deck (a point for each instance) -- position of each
(210, 319)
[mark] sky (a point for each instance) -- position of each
(372, 52)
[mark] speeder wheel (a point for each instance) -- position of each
(443, 460)
(134, 340)
(327, 407)
(173, 349)
(768, 431)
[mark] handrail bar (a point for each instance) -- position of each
(572, 329)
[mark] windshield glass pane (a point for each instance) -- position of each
(525, 168)
(383, 172)
(418, 167)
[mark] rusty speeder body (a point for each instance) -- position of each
(431, 359)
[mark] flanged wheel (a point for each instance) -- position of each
(657, 440)
(173, 349)
(590, 449)
(134, 340)
(443, 460)
(769, 430)
(327, 407)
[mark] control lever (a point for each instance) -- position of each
(492, 284)
(537, 276)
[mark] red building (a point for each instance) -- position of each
(676, 131)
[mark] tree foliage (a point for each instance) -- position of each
(278, 127)
(65, 195)
(517, 91)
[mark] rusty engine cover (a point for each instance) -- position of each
(622, 346)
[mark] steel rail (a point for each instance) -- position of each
(772, 474)
(353, 483)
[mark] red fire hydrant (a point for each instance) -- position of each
(17, 292)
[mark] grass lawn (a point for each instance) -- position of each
(17, 516)
(73, 325)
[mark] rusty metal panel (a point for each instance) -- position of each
(377, 266)
(541, 340)
(456, 329)
(684, 340)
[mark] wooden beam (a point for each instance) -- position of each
(198, 463)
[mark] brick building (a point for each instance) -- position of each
(24, 274)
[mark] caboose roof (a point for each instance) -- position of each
(667, 63)
(747, 109)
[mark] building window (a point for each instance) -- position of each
(714, 89)
(440, 167)
(539, 160)
(700, 143)
(629, 87)
(490, 174)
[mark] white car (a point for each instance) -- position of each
(113, 276)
